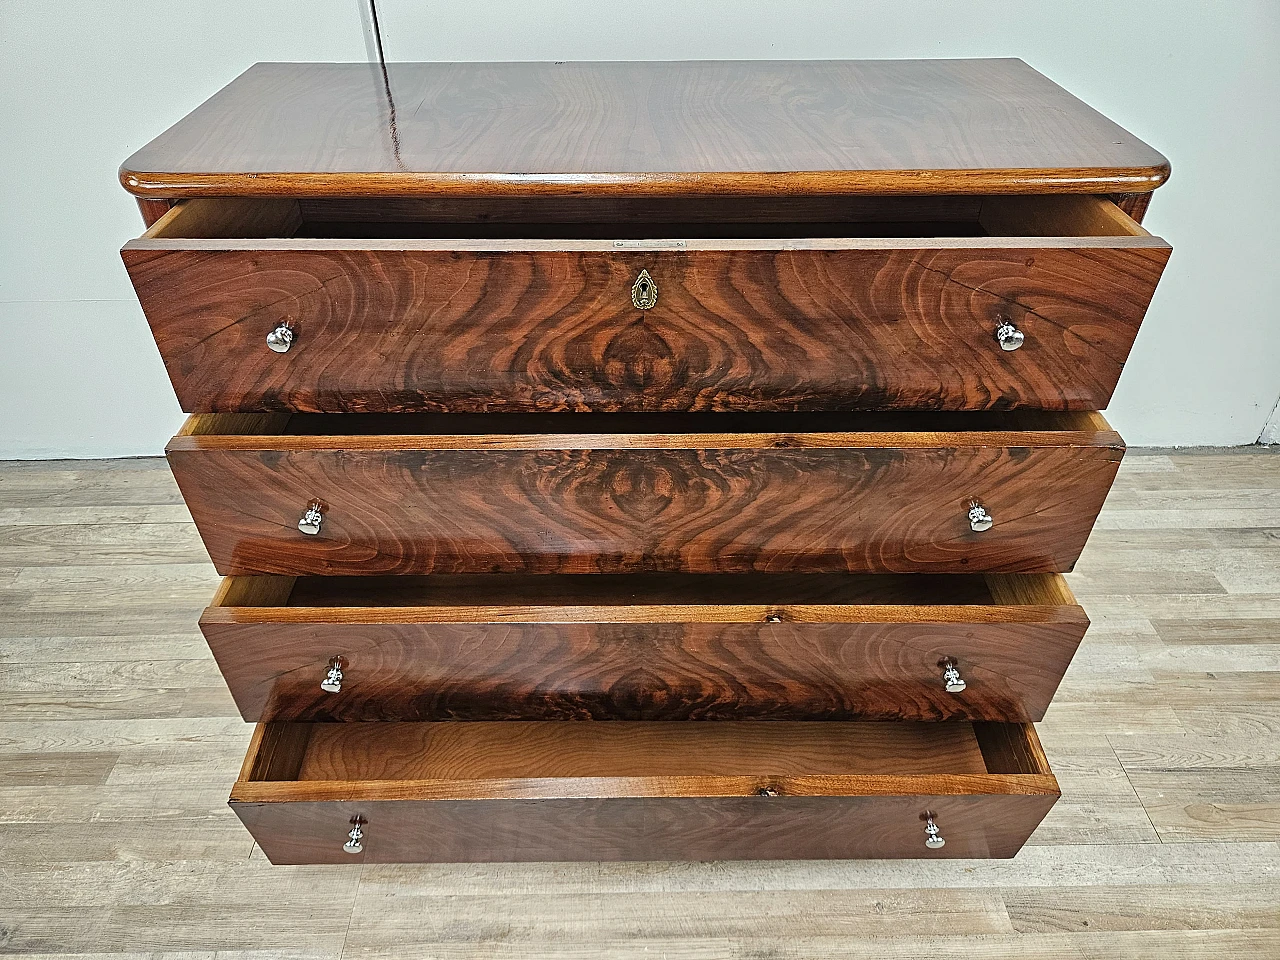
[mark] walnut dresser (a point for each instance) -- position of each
(686, 455)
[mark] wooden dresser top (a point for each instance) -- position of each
(705, 127)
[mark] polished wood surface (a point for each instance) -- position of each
(481, 755)
(152, 210)
(119, 739)
(644, 647)
(869, 126)
(783, 322)
(622, 829)
(1133, 204)
(406, 490)
(656, 499)
(640, 791)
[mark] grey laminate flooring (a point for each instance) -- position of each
(118, 743)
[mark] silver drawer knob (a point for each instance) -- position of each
(354, 838)
(979, 519)
(773, 618)
(332, 682)
(311, 520)
(1008, 336)
(281, 338)
(644, 292)
(932, 835)
(951, 678)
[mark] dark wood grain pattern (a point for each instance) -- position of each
(152, 210)
(876, 126)
(721, 598)
(633, 212)
(566, 791)
(487, 753)
(643, 647)
(649, 501)
(718, 828)
(547, 324)
(1134, 204)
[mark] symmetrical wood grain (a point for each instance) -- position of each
(647, 791)
(872, 126)
(1163, 739)
(642, 647)
(407, 316)
(548, 324)
(650, 501)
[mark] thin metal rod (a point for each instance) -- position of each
(372, 41)
(377, 36)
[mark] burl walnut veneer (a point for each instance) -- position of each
(806, 316)
(807, 493)
(644, 646)
(661, 443)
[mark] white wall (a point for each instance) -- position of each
(83, 83)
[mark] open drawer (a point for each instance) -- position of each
(455, 792)
(908, 302)
(361, 494)
(645, 646)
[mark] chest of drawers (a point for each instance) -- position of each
(685, 454)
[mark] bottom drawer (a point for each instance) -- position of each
(735, 790)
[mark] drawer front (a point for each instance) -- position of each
(457, 792)
(383, 326)
(643, 828)
(643, 671)
(695, 508)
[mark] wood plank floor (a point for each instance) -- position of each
(118, 743)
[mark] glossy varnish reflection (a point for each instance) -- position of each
(876, 126)
(810, 484)
(658, 499)
(640, 791)
(644, 647)
(534, 317)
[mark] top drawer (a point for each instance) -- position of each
(281, 305)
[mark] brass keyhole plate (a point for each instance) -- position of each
(644, 292)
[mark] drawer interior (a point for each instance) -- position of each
(664, 427)
(733, 598)
(626, 750)
(615, 222)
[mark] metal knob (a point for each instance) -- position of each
(1008, 336)
(951, 678)
(644, 292)
(281, 338)
(773, 618)
(932, 835)
(768, 792)
(311, 520)
(979, 519)
(332, 682)
(353, 844)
